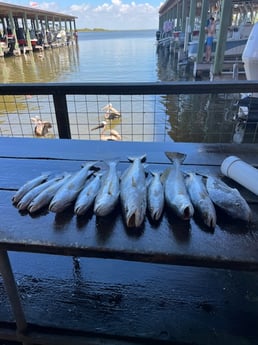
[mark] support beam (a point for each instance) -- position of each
(226, 11)
(11, 289)
(204, 15)
(192, 15)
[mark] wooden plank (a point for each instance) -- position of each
(93, 150)
(171, 241)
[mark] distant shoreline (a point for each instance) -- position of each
(106, 30)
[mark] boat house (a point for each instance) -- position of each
(185, 20)
(25, 29)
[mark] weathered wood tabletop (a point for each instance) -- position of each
(232, 244)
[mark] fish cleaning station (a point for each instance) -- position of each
(26, 29)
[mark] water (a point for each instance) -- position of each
(119, 56)
(114, 57)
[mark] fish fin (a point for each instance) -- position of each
(165, 174)
(91, 165)
(142, 158)
(176, 156)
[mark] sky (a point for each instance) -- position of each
(106, 14)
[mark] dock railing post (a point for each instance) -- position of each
(12, 292)
(62, 117)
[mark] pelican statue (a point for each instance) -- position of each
(41, 127)
(111, 112)
(112, 136)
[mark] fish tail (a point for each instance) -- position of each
(142, 158)
(176, 156)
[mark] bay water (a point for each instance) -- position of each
(117, 56)
(125, 56)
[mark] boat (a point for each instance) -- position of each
(235, 44)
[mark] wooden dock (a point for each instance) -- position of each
(230, 70)
(19, 23)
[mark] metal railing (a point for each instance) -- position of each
(180, 111)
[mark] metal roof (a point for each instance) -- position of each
(168, 4)
(31, 13)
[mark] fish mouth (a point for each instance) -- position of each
(134, 220)
(156, 215)
(187, 212)
(58, 207)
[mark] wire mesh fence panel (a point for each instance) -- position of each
(204, 117)
(28, 116)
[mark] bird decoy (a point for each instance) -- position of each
(41, 127)
(113, 135)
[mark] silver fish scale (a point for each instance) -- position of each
(133, 193)
(229, 199)
(155, 197)
(200, 199)
(87, 195)
(67, 194)
(108, 194)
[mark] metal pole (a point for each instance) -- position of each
(12, 292)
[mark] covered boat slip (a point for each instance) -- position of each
(171, 303)
(234, 20)
(24, 29)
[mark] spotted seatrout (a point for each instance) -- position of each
(133, 192)
(87, 195)
(108, 195)
(28, 186)
(176, 195)
(200, 199)
(67, 194)
(155, 196)
(34, 192)
(45, 197)
(227, 198)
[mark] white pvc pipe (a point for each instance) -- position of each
(243, 173)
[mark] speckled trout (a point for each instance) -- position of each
(133, 192)
(108, 195)
(176, 195)
(229, 199)
(87, 195)
(67, 194)
(155, 196)
(28, 186)
(200, 199)
(28, 197)
(44, 198)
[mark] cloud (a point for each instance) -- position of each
(116, 15)
(111, 14)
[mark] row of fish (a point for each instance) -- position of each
(183, 193)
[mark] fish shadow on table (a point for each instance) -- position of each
(62, 219)
(231, 225)
(105, 226)
(181, 229)
(83, 220)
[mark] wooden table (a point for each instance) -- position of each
(232, 244)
